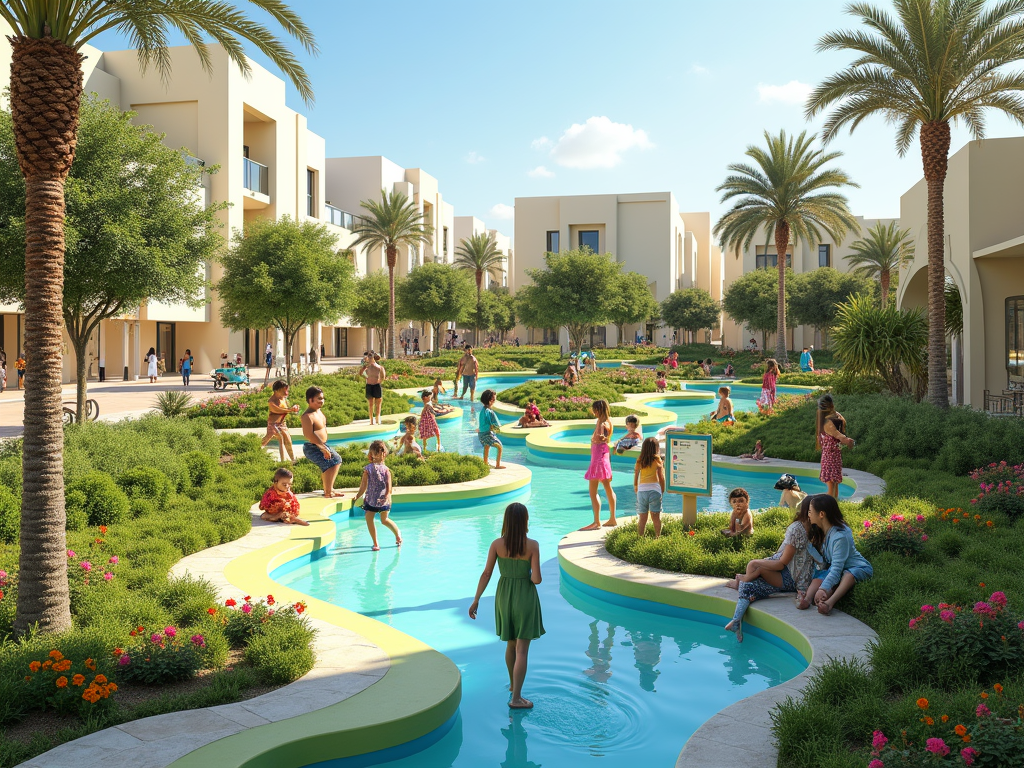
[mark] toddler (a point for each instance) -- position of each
(757, 455)
(649, 485)
(633, 437)
(724, 413)
(438, 391)
(661, 382)
(375, 490)
(406, 442)
(279, 504)
(532, 417)
(741, 523)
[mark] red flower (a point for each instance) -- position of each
(212, 611)
(230, 602)
(270, 600)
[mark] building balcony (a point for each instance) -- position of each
(256, 181)
(340, 218)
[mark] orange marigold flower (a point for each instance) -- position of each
(956, 520)
(984, 695)
(56, 655)
(989, 523)
(90, 665)
(922, 703)
(967, 738)
(977, 517)
(929, 721)
(62, 682)
(101, 679)
(91, 696)
(28, 678)
(34, 666)
(118, 652)
(945, 718)
(77, 680)
(47, 664)
(960, 730)
(103, 530)
(982, 584)
(111, 687)
(997, 688)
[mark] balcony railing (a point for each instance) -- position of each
(257, 176)
(340, 218)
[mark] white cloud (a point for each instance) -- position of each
(540, 172)
(474, 157)
(697, 69)
(502, 211)
(794, 92)
(542, 143)
(597, 143)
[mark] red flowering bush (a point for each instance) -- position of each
(893, 533)
(1000, 488)
(244, 621)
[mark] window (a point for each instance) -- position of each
(444, 241)
(764, 260)
(589, 239)
(311, 193)
(824, 255)
(1015, 337)
(553, 241)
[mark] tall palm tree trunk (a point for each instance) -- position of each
(392, 254)
(479, 293)
(935, 156)
(46, 94)
(781, 247)
(883, 277)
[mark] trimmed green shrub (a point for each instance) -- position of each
(10, 516)
(281, 653)
(201, 468)
(147, 483)
(97, 495)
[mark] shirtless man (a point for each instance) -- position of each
(314, 429)
(375, 375)
(469, 367)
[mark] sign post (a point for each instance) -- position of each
(689, 469)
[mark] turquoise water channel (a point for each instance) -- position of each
(614, 681)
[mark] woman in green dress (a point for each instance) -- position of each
(517, 618)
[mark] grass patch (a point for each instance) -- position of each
(559, 402)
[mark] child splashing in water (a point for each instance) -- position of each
(600, 471)
(376, 485)
(439, 390)
(405, 442)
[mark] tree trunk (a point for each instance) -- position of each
(781, 247)
(935, 157)
(884, 280)
(392, 256)
(81, 385)
(45, 98)
(289, 340)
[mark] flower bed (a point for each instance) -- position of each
(556, 401)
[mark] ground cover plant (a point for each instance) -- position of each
(557, 401)
(746, 364)
(345, 397)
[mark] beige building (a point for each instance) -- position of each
(645, 232)
(803, 257)
(468, 226)
(984, 247)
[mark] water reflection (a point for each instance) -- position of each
(515, 751)
(600, 653)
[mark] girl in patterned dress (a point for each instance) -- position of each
(830, 433)
(428, 424)
(600, 470)
(375, 487)
(766, 402)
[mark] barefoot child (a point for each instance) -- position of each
(757, 455)
(279, 504)
(489, 427)
(633, 437)
(428, 424)
(314, 429)
(724, 414)
(406, 441)
(439, 390)
(661, 382)
(532, 417)
(276, 426)
(741, 523)
(649, 485)
(376, 485)
(600, 470)
(517, 614)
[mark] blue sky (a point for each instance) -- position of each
(514, 99)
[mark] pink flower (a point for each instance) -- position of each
(920, 518)
(108, 575)
(924, 537)
(999, 598)
(156, 638)
(86, 565)
(897, 518)
(71, 553)
(927, 609)
(170, 631)
(125, 660)
(1020, 625)
(3, 577)
(198, 640)
(878, 740)
(982, 608)
(948, 616)
(937, 747)
(876, 763)
(114, 560)
(867, 524)
(246, 608)
(982, 711)
(968, 754)
(913, 623)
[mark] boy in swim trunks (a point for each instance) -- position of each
(724, 413)
(314, 429)
(633, 437)
(276, 426)
(375, 375)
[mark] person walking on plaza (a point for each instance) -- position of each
(151, 363)
(600, 471)
(806, 361)
(316, 449)
(186, 367)
(517, 613)
(19, 366)
(312, 359)
(830, 435)
(469, 368)
(375, 376)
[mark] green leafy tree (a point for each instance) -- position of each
(576, 291)
(496, 310)
(371, 304)
(45, 99)
(480, 254)
(436, 293)
(881, 341)
(284, 274)
(752, 301)
(390, 224)
(133, 229)
(788, 194)
(632, 301)
(935, 63)
(690, 309)
(816, 295)
(880, 254)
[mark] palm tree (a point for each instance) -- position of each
(937, 62)
(45, 97)
(393, 222)
(883, 250)
(784, 195)
(479, 253)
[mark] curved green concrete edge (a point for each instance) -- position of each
(774, 470)
(690, 600)
(419, 693)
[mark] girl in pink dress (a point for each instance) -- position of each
(830, 433)
(766, 402)
(428, 424)
(600, 470)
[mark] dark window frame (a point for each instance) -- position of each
(597, 235)
(826, 250)
(311, 193)
(766, 260)
(1014, 330)
(553, 239)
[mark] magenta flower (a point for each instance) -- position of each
(86, 565)
(913, 623)
(125, 660)
(867, 524)
(878, 740)
(1020, 625)
(3, 577)
(924, 537)
(71, 553)
(897, 518)
(920, 518)
(108, 575)
(170, 631)
(968, 754)
(948, 616)
(876, 763)
(927, 609)
(246, 608)
(114, 560)
(156, 638)
(999, 598)
(937, 747)
(983, 608)
(982, 711)
(198, 640)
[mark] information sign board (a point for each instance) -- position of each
(688, 463)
